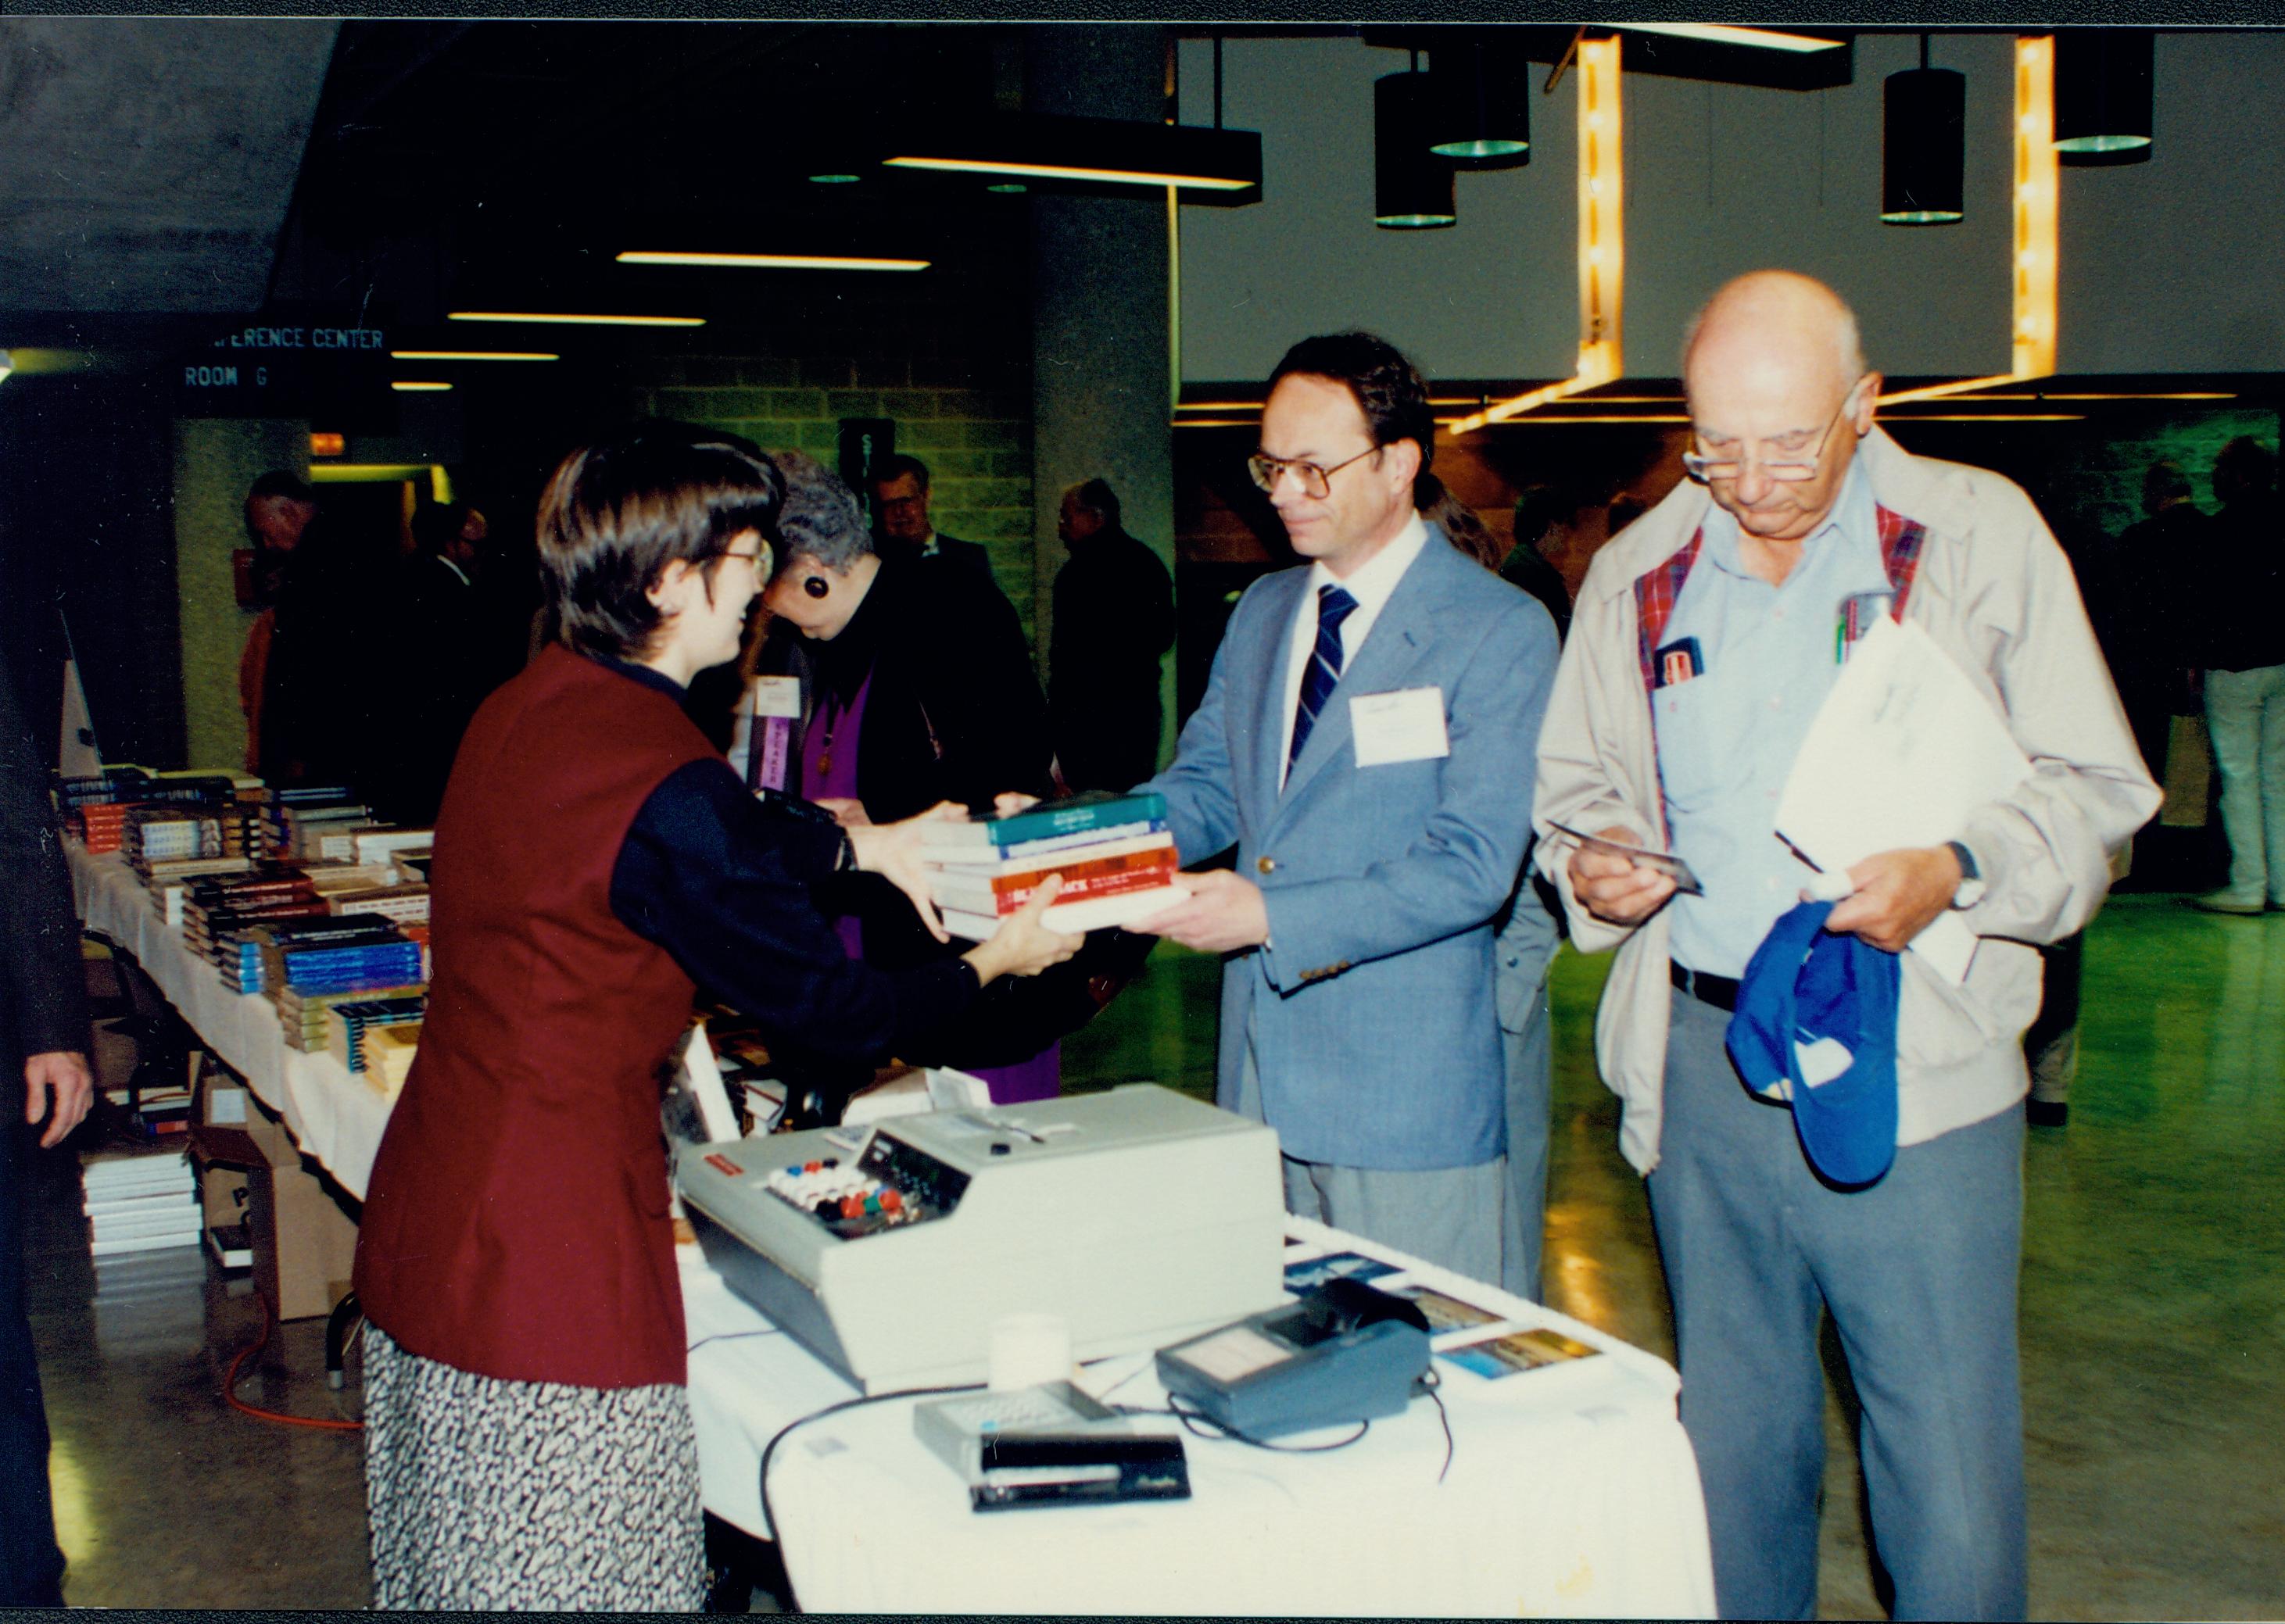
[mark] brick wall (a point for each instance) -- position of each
(949, 363)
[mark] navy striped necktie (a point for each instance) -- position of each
(1334, 606)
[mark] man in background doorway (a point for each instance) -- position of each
(1114, 620)
(900, 489)
(2240, 644)
(279, 508)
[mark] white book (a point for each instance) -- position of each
(145, 1242)
(968, 865)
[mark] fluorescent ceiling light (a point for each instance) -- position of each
(1723, 33)
(1052, 171)
(564, 320)
(7, 364)
(1091, 152)
(2181, 394)
(473, 355)
(366, 473)
(1557, 420)
(773, 261)
(411, 386)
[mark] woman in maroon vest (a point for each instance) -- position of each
(529, 1443)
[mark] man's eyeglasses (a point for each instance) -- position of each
(1787, 465)
(1315, 482)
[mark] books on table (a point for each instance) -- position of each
(1116, 857)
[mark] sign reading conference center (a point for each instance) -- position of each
(282, 365)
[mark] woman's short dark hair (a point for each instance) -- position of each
(822, 519)
(1389, 390)
(616, 513)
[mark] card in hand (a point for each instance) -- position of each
(1664, 862)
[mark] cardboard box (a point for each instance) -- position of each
(303, 1240)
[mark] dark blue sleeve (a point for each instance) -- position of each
(722, 880)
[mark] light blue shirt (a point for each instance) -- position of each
(1728, 736)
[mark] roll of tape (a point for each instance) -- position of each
(1028, 1349)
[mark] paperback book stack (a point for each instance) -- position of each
(310, 964)
(139, 1200)
(316, 824)
(101, 826)
(355, 1029)
(1115, 856)
(169, 843)
(218, 913)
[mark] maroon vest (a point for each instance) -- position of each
(515, 1224)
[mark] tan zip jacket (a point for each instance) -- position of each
(1996, 592)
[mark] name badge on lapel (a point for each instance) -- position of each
(777, 696)
(1402, 724)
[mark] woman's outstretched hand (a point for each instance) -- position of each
(1022, 946)
(893, 852)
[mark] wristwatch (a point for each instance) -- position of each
(1971, 883)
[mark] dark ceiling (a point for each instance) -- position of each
(158, 169)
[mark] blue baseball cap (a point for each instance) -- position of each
(1834, 996)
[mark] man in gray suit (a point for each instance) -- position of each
(1366, 740)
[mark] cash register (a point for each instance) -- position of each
(1139, 1216)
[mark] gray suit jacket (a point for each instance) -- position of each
(1371, 1006)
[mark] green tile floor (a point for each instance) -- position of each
(2154, 1300)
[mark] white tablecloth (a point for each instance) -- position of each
(1572, 1492)
(334, 1117)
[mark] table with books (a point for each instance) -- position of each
(1571, 1490)
(357, 939)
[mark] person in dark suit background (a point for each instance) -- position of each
(1114, 620)
(900, 486)
(443, 682)
(43, 1038)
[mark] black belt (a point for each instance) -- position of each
(1719, 991)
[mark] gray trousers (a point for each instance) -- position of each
(1449, 1216)
(1530, 1058)
(1919, 1273)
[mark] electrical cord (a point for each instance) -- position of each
(230, 1390)
(769, 1517)
(1188, 1416)
(732, 1336)
(1429, 1384)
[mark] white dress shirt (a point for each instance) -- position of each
(1370, 585)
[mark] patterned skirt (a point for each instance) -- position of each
(485, 1494)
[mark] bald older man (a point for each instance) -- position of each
(1703, 642)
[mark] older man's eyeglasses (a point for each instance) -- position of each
(1316, 482)
(1786, 464)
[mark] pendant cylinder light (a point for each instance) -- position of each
(1923, 145)
(1412, 186)
(2102, 92)
(1479, 111)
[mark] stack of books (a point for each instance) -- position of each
(139, 1200)
(169, 843)
(101, 826)
(1116, 857)
(316, 824)
(310, 964)
(389, 1053)
(351, 1025)
(217, 911)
